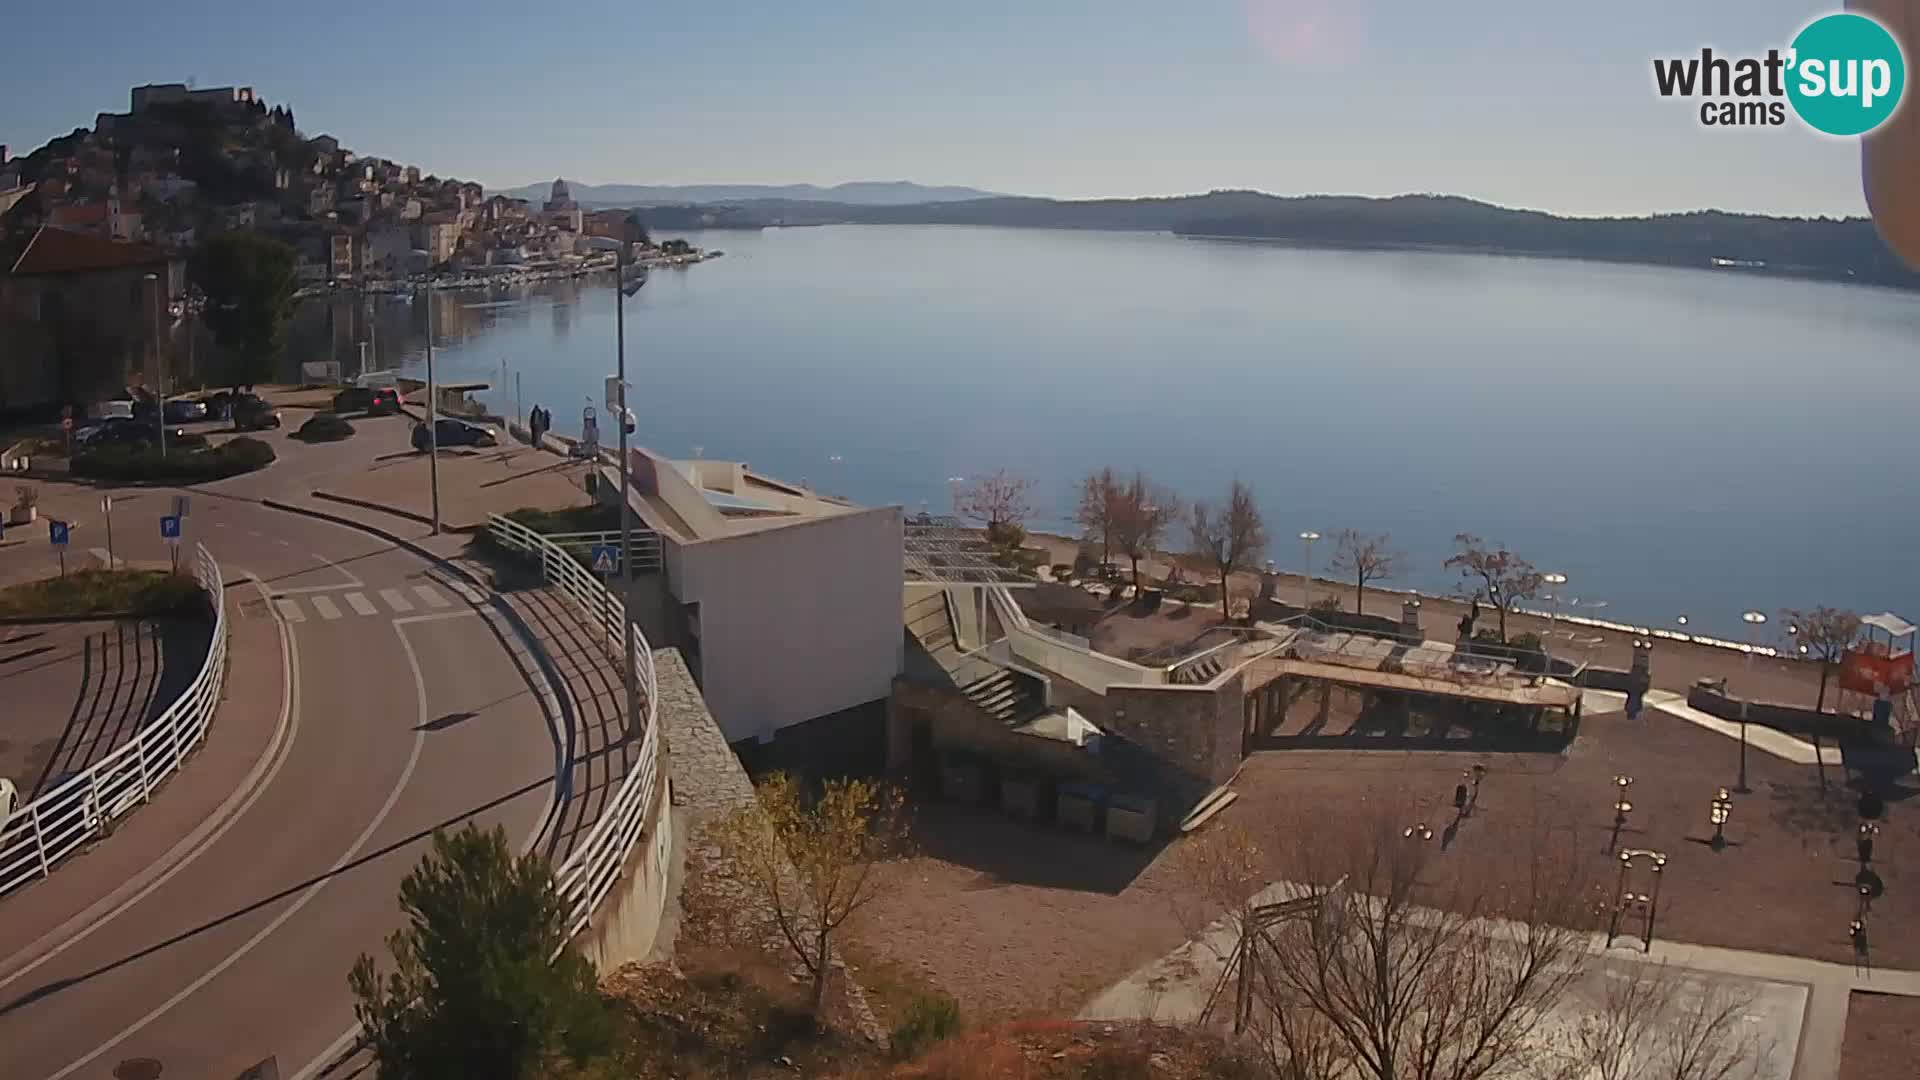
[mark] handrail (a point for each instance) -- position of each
(37, 836)
(593, 867)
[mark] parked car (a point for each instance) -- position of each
(452, 432)
(372, 400)
(123, 432)
(185, 411)
(250, 413)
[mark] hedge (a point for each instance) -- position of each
(130, 464)
(85, 593)
(324, 427)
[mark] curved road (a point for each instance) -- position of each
(404, 713)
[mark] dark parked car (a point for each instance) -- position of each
(185, 411)
(250, 413)
(372, 400)
(452, 432)
(123, 432)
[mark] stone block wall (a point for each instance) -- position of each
(1196, 730)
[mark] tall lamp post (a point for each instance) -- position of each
(626, 494)
(1306, 578)
(159, 363)
(433, 419)
(1754, 620)
(1553, 612)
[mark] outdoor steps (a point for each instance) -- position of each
(1004, 696)
(1200, 671)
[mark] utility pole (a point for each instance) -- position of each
(626, 494)
(433, 420)
(159, 363)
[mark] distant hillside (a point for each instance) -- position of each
(1833, 248)
(857, 193)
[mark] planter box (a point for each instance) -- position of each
(1132, 820)
(1020, 797)
(960, 782)
(1079, 809)
(23, 515)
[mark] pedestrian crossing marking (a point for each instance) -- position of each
(325, 606)
(289, 609)
(431, 596)
(360, 604)
(395, 600)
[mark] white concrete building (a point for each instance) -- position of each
(786, 603)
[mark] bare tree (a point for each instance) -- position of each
(1827, 633)
(998, 501)
(813, 863)
(1389, 987)
(1655, 1023)
(1229, 537)
(1101, 496)
(1222, 871)
(1364, 557)
(1142, 512)
(1504, 578)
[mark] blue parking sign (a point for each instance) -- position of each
(170, 528)
(605, 558)
(57, 533)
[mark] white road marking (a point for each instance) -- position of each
(406, 774)
(325, 606)
(289, 609)
(432, 596)
(395, 600)
(360, 604)
(438, 617)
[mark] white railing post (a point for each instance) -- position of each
(39, 838)
(140, 755)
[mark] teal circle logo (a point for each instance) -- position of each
(1847, 74)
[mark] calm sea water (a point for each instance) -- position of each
(1674, 441)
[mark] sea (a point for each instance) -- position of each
(1675, 441)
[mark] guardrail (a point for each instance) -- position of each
(82, 807)
(646, 545)
(591, 869)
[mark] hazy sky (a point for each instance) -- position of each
(1533, 104)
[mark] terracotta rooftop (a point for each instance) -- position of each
(57, 251)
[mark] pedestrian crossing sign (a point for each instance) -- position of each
(604, 559)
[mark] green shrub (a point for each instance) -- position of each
(324, 427)
(86, 593)
(930, 1018)
(133, 465)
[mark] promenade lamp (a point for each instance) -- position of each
(1754, 620)
(1553, 610)
(1418, 832)
(1306, 578)
(1721, 810)
(619, 246)
(1645, 903)
(1622, 806)
(1682, 620)
(159, 361)
(1864, 841)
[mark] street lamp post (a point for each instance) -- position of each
(627, 672)
(1719, 811)
(1622, 806)
(433, 419)
(1553, 612)
(159, 363)
(1754, 621)
(1306, 578)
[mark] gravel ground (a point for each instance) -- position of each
(1883, 1038)
(1014, 919)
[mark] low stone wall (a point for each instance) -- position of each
(709, 783)
(1194, 729)
(1782, 717)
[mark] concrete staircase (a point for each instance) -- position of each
(1198, 671)
(1006, 696)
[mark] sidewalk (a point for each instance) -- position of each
(473, 484)
(248, 735)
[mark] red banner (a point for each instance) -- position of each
(1865, 672)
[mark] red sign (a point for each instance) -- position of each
(1864, 671)
(66, 423)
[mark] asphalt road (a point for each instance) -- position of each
(406, 714)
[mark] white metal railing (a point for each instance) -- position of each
(593, 866)
(35, 837)
(646, 545)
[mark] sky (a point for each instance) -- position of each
(1519, 102)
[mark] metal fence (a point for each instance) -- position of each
(594, 865)
(646, 545)
(83, 807)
